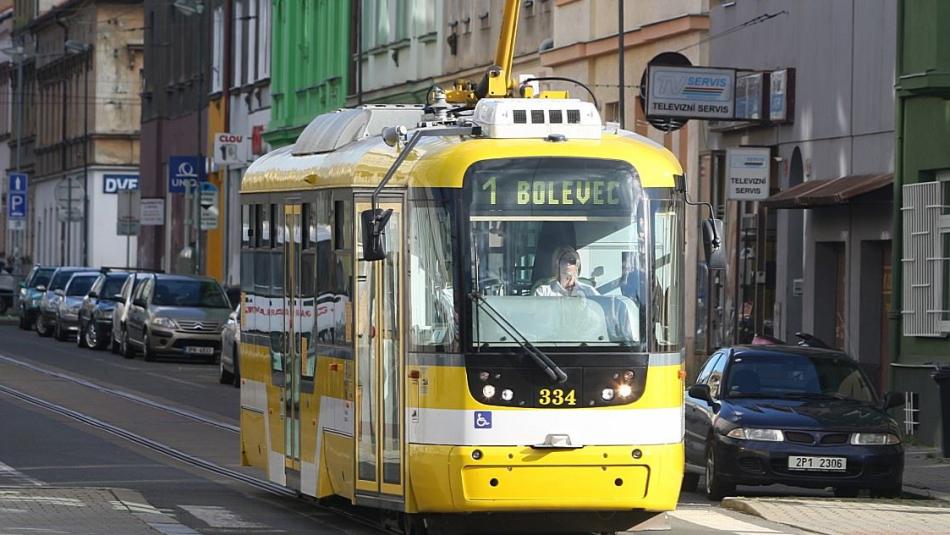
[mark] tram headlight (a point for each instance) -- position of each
(484, 376)
(507, 394)
(607, 394)
(624, 391)
(488, 391)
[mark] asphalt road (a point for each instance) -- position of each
(54, 450)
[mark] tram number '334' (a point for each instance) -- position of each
(556, 397)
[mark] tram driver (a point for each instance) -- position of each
(567, 265)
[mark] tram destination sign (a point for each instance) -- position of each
(492, 193)
(685, 92)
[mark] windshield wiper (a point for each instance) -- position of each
(543, 361)
(814, 395)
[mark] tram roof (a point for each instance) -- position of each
(442, 162)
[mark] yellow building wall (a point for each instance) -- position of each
(214, 239)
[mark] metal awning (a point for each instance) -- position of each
(828, 191)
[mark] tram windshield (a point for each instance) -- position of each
(559, 247)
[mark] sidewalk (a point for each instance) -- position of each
(82, 511)
(927, 474)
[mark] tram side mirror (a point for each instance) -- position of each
(372, 227)
(712, 243)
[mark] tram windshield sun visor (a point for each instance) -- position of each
(559, 247)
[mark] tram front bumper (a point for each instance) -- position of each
(519, 478)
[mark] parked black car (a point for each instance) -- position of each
(95, 314)
(30, 295)
(799, 416)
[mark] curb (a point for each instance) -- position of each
(925, 493)
(742, 505)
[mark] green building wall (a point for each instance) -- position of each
(923, 133)
(310, 50)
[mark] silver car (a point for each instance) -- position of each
(123, 300)
(176, 315)
(230, 365)
(71, 298)
(48, 305)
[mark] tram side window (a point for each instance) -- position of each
(307, 316)
(332, 277)
(433, 323)
(667, 273)
(248, 239)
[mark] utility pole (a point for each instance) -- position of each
(201, 161)
(620, 101)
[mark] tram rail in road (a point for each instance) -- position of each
(122, 394)
(166, 449)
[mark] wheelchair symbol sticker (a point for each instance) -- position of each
(483, 420)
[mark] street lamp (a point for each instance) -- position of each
(189, 8)
(74, 48)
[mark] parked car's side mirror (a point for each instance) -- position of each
(118, 298)
(139, 302)
(701, 392)
(60, 293)
(893, 399)
(41, 288)
(92, 295)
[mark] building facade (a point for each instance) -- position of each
(175, 115)
(921, 220)
(586, 48)
(80, 138)
(312, 67)
(7, 68)
(815, 256)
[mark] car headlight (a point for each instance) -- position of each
(751, 433)
(874, 439)
(165, 323)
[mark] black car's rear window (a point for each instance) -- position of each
(60, 279)
(80, 284)
(797, 376)
(41, 277)
(113, 284)
(189, 293)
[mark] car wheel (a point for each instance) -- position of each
(41, 328)
(846, 492)
(224, 376)
(58, 331)
(91, 336)
(147, 348)
(716, 487)
(127, 350)
(690, 482)
(81, 335)
(236, 361)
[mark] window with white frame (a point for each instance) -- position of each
(217, 53)
(264, 37)
(253, 26)
(943, 253)
(238, 60)
(923, 259)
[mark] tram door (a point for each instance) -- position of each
(379, 343)
(292, 345)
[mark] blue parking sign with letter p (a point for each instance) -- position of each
(16, 205)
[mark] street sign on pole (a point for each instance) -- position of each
(230, 149)
(209, 206)
(69, 196)
(152, 212)
(16, 198)
(127, 222)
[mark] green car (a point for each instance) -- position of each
(30, 295)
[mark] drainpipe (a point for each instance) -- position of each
(897, 224)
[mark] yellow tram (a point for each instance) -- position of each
(468, 319)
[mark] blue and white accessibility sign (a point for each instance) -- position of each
(482, 419)
(184, 172)
(16, 199)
